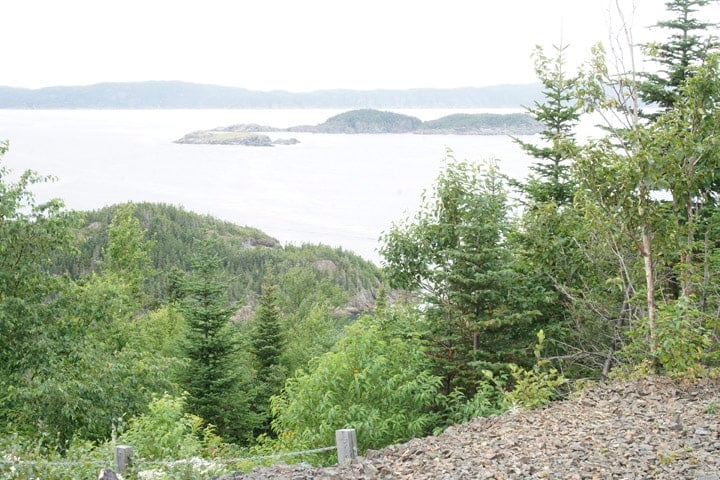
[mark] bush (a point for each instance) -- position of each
(535, 387)
(377, 380)
(680, 340)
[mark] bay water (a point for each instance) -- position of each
(335, 189)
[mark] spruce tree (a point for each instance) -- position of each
(267, 336)
(267, 343)
(455, 254)
(211, 378)
(688, 154)
(549, 225)
(686, 47)
(559, 113)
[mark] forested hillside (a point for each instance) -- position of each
(160, 94)
(246, 251)
(188, 337)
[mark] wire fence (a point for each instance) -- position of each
(13, 467)
(171, 463)
(167, 463)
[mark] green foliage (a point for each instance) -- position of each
(30, 234)
(161, 331)
(167, 432)
(310, 336)
(23, 459)
(268, 343)
(534, 387)
(267, 335)
(489, 399)
(546, 241)
(377, 380)
(559, 113)
(687, 46)
(91, 377)
(212, 375)
(128, 253)
(681, 339)
(455, 253)
(171, 232)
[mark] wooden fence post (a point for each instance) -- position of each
(346, 443)
(123, 457)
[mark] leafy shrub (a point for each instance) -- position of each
(488, 400)
(168, 433)
(537, 386)
(377, 380)
(23, 459)
(679, 337)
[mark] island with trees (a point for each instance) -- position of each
(369, 121)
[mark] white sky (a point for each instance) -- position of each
(296, 45)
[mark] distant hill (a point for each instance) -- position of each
(173, 94)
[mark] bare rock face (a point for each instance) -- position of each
(651, 428)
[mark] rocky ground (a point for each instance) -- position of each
(648, 429)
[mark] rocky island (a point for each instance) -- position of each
(368, 121)
(223, 137)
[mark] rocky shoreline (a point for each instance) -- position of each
(224, 137)
(651, 428)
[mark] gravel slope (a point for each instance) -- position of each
(652, 428)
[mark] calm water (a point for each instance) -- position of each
(340, 190)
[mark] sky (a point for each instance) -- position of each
(300, 45)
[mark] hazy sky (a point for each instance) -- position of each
(297, 45)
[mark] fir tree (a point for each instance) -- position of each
(546, 237)
(559, 113)
(267, 342)
(686, 47)
(455, 254)
(267, 335)
(211, 378)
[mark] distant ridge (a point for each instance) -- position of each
(176, 95)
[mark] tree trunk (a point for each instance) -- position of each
(691, 210)
(650, 287)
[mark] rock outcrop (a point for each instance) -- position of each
(234, 137)
(647, 429)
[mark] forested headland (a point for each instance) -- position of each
(186, 336)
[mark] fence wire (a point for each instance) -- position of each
(166, 463)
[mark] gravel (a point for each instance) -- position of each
(651, 428)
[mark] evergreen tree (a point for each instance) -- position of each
(267, 335)
(687, 47)
(267, 342)
(690, 171)
(559, 113)
(212, 376)
(547, 237)
(455, 254)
